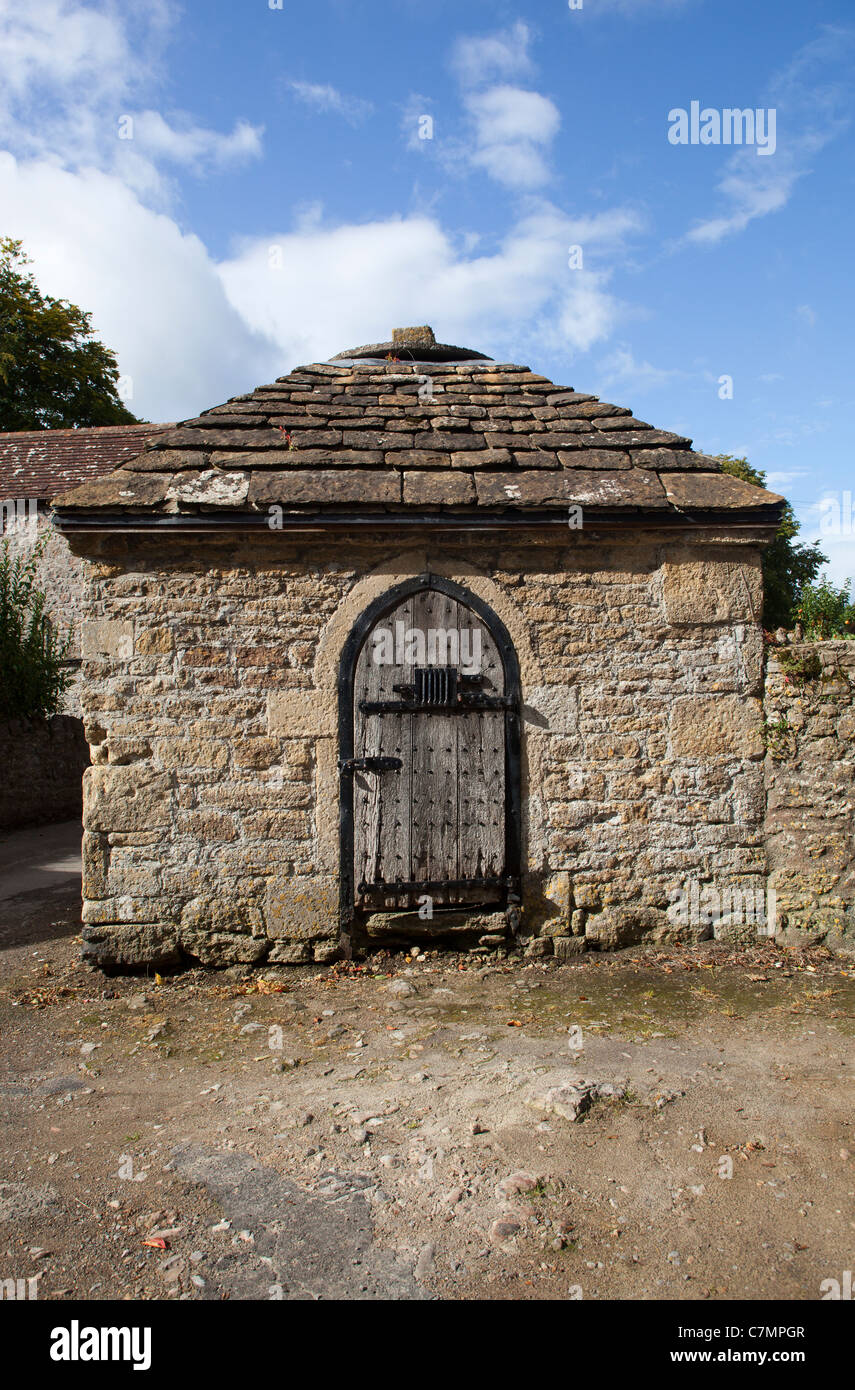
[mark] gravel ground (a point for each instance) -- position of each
(655, 1124)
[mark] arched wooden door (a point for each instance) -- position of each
(429, 755)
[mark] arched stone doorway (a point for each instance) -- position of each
(429, 758)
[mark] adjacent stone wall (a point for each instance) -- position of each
(211, 819)
(810, 776)
(61, 578)
(43, 765)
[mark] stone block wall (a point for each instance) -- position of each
(61, 578)
(43, 765)
(211, 816)
(810, 776)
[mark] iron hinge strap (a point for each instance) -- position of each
(370, 764)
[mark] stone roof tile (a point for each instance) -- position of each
(693, 491)
(123, 490)
(42, 463)
(427, 433)
(586, 488)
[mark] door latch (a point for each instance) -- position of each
(369, 764)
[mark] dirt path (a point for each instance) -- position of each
(405, 1129)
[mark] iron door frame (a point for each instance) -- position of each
(367, 620)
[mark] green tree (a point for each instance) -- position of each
(33, 678)
(54, 373)
(788, 566)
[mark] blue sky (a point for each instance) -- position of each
(234, 188)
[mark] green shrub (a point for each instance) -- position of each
(33, 678)
(826, 611)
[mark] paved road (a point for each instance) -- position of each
(44, 857)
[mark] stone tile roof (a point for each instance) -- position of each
(384, 435)
(41, 463)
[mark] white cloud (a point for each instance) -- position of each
(509, 126)
(622, 369)
(504, 54)
(807, 315)
(813, 107)
(841, 557)
(71, 72)
(323, 97)
(778, 481)
(504, 114)
(63, 47)
(154, 292)
(635, 7)
(814, 518)
(186, 143)
(754, 190)
(190, 332)
(342, 286)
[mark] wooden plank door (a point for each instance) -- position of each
(437, 823)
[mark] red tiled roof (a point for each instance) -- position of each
(43, 463)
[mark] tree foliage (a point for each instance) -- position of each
(33, 678)
(789, 566)
(826, 611)
(54, 373)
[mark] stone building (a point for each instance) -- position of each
(44, 759)
(411, 643)
(35, 465)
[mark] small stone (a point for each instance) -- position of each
(515, 1184)
(504, 1229)
(171, 1268)
(569, 1101)
(425, 1262)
